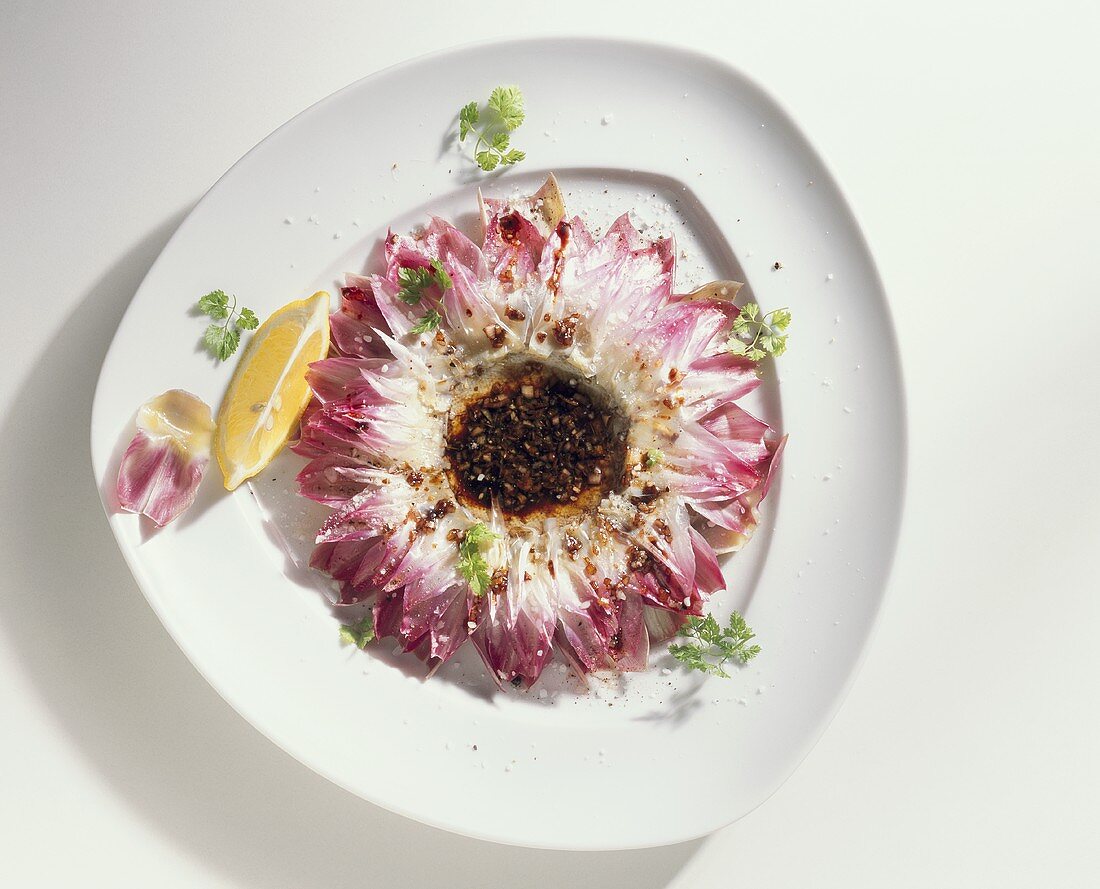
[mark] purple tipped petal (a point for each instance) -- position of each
(167, 457)
(708, 574)
(513, 244)
(714, 380)
(629, 647)
(353, 327)
(517, 649)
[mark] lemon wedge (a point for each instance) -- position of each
(268, 391)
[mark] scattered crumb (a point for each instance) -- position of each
(289, 220)
(778, 265)
(829, 277)
(607, 119)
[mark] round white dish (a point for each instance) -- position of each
(691, 146)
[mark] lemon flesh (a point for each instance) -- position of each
(268, 391)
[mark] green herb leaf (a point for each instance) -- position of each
(756, 336)
(248, 320)
(710, 646)
(215, 304)
(505, 112)
(653, 457)
(441, 277)
(413, 283)
(429, 322)
(358, 634)
(467, 120)
(222, 340)
(471, 563)
(507, 102)
(487, 160)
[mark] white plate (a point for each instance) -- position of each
(613, 769)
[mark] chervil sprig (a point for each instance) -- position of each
(756, 335)
(471, 563)
(221, 339)
(428, 322)
(711, 647)
(358, 634)
(501, 116)
(414, 281)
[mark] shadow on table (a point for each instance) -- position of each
(158, 734)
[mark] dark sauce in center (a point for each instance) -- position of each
(536, 441)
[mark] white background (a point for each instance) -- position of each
(967, 138)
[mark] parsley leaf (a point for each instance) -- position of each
(652, 458)
(710, 646)
(756, 336)
(222, 340)
(504, 112)
(430, 321)
(414, 281)
(467, 120)
(358, 634)
(215, 304)
(487, 160)
(507, 101)
(471, 563)
(248, 320)
(441, 277)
